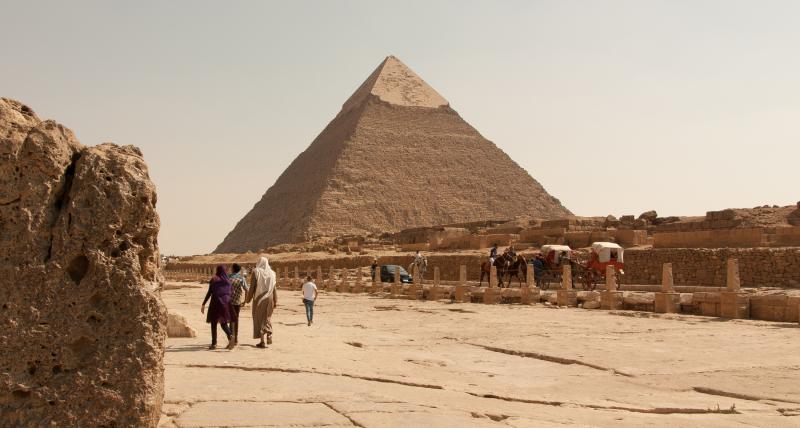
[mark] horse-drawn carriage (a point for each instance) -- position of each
(548, 267)
(603, 254)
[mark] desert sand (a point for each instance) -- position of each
(370, 361)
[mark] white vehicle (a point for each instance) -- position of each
(557, 251)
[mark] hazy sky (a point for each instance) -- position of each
(615, 107)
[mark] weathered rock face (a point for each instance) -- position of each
(82, 328)
(395, 157)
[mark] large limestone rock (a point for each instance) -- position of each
(82, 328)
(396, 156)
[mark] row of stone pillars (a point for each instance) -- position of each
(732, 302)
(492, 294)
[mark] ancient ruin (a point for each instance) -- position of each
(83, 327)
(395, 136)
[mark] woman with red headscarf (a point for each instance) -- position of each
(219, 311)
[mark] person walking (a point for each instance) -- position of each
(309, 296)
(265, 298)
(238, 290)
(219, 310)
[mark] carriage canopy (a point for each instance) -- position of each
(606, 250)
(546, 249)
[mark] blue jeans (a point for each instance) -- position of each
(309, 309)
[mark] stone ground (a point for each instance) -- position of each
(370, 361)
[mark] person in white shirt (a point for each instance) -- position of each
(309, 296)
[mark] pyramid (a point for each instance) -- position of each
(396, 156)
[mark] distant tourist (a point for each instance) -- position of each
(219, 311)
(374, 266)
(239, 289)
(309, 296)
(493, 254)
(265, 298)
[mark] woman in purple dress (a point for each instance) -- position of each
(219, 311)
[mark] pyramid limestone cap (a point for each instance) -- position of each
(393, 82)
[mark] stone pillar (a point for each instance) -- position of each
(530, 277)
(397, 287)
(529, 292)
(667, 282)
(611, 298)
(343, 286)
(611, 278)
(296, 279)
(331, 279)
(566, 296)
(435, 291)
(667, 301)
(732, 302)
(320, 280)
(461, 294)
(377, 285)
(357, 288)
(415, 291)
(491, 294)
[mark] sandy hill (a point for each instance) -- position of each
(396, 156)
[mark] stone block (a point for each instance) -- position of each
(177, 326)
(610, 300)
(396, 290)
(493, 277)
(734, 305)
(529, 295)
(667, 303)
(462, 294)
(761, 311)
(415, 291)
(491, 295)
(793, 309)
(591, 304)
(567, 298)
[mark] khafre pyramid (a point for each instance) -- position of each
(396, 156)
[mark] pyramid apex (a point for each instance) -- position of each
(393, 82)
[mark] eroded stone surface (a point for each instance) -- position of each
(82, 326)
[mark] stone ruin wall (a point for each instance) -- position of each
(759, 267)
(729, 238)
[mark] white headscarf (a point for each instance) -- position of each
(265, 280)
